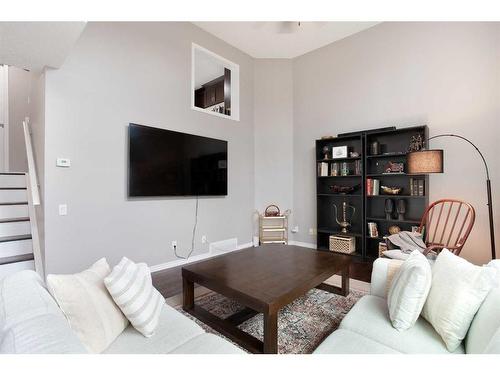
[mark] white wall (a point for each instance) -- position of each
(20, 106)
(445, 75)
(135, 72)
(273, 116)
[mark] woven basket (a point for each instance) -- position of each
(344, 245)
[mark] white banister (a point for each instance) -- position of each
(33, 180)
(35, 238)
(33, 193)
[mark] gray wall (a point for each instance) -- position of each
(20, 85)
(446, 75)
(135, 72)
(273, 115)
(37, 126)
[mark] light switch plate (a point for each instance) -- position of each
(63, 209)
(63, 162)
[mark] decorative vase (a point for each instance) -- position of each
(389, 208)
(401, 208)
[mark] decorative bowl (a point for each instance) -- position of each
(391, 190)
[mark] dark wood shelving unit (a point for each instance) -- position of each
(369, 208)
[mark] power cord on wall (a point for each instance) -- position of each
(193, 237)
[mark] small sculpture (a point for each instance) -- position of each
(389, 207)
(325, 152)
(416, 143)
(345, 221)
(401, 208)
(394, 167)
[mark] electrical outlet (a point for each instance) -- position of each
(204, 239)
(174, 245)
(295, 229)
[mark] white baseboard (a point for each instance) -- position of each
(195, 258)
(303, 244)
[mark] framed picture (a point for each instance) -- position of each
(339, 152)
(372, 230)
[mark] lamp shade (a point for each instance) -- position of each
(425, 161)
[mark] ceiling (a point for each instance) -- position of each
(281, 39)
(35, 45)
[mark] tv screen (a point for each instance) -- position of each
(168, 163)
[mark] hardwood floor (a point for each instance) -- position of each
(169, 281)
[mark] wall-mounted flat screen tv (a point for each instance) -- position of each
(168, 163)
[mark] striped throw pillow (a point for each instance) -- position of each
(132, 289)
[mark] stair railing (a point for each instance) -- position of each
(33, 193)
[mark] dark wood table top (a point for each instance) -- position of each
(269, 276)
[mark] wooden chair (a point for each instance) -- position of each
(447, 223)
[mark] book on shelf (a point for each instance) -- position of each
(375, 187)
(421, 184)
(322, 169)
(417, 187)
(357, 167)
(372, 186)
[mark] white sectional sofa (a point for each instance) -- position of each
(31, 322)
(366, 329)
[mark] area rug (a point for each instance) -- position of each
(302, 325)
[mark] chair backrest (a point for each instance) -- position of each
(447, 223)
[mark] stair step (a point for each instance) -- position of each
(15, 228)
(14, 220)
(14, 211)
(18, 195)
(13, 248)
(12, 203)
(17, 258)
(12, 181)
(15, 238)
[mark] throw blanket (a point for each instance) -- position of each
(408, 241)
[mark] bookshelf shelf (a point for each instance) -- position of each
(371, 208)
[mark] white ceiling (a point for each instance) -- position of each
(281, 39)
(35, 45)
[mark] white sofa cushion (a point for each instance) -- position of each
(30, 320)
(458, 289)
(370, 318)
(408, 291)
(132, 289)
(174, 329)
(207, 343)
(87, 305)
(343, 341)
(486, 324)
(383, 272)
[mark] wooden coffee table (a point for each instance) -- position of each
(264, 279)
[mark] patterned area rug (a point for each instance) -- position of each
(302, 325)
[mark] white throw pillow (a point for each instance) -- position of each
(408, 291)
(87, 305)
(132, 289)
(457, 291)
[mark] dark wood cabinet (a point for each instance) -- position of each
(212, 93)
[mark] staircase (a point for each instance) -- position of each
(16, 224)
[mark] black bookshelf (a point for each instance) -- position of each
(369, 208)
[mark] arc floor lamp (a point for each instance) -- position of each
(431, 161)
